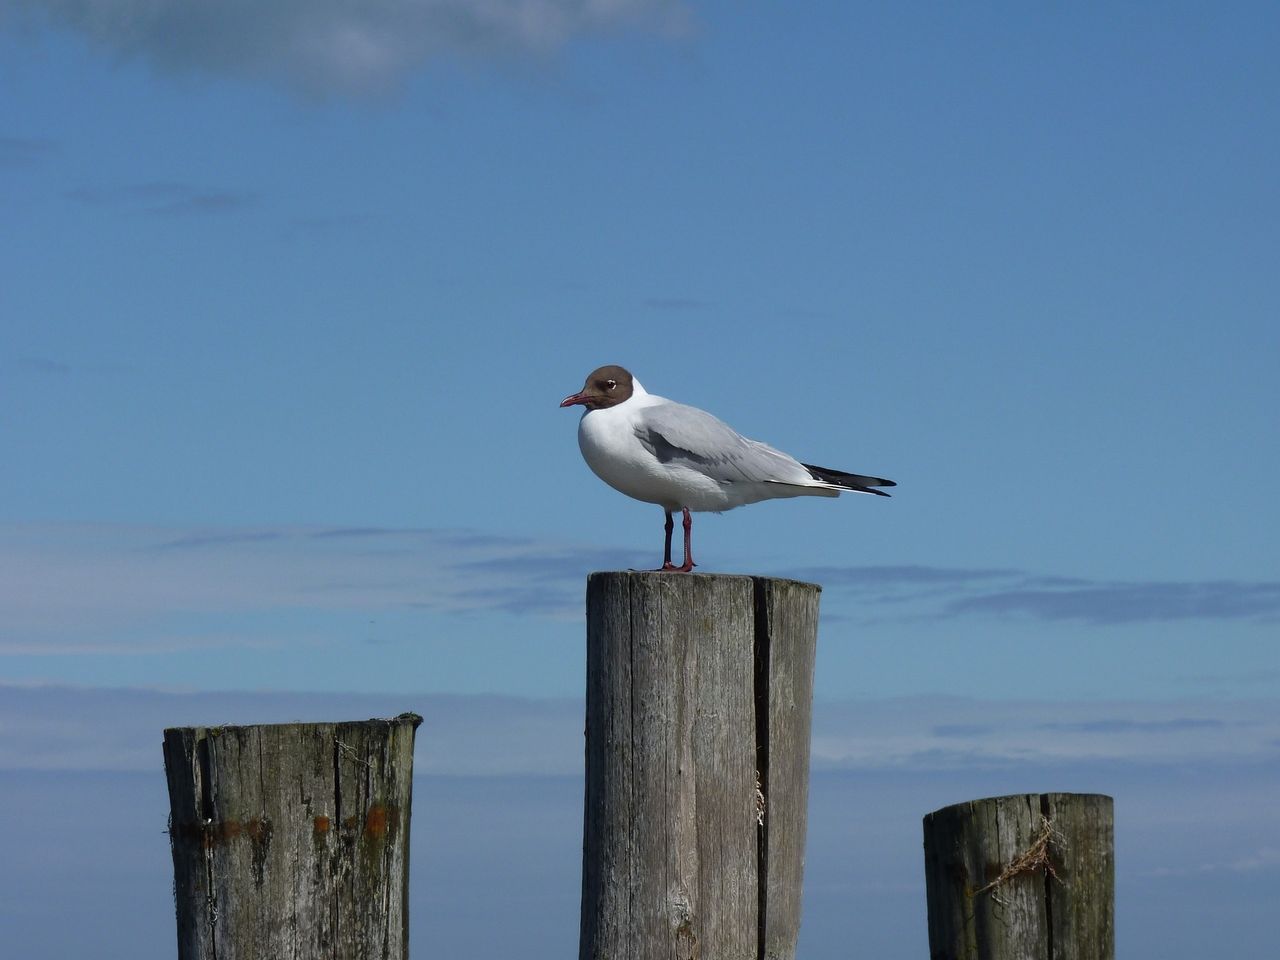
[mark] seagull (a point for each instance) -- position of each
(683, 458)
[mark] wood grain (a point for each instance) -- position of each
(991, 896)
(291, 840)
(681, 709)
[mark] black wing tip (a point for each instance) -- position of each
(850, 481)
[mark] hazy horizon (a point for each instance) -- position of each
(489, 844)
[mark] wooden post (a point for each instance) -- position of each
(699, 691)
(291, 840)
(1026, 877)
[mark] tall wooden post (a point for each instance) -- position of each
(291, 840)
(699, 692)
(1026, 877)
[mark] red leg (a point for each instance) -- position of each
(688, 543)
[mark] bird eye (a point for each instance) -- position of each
(610, 384)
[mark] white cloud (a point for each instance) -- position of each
(125, 589)
(16, 152)
(952, 732)
(57, 727)
(1264, 858)
(341, 46)
(165, 199)
(986, 592)
(131, 588)
(54, 727)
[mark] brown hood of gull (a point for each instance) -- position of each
(606, 386)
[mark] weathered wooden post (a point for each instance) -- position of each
(291, 840)
(699, 693)
(1026, 877)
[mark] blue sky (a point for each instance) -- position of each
(289, 300)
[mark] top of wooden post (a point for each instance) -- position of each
(1052, 796)
(406, 717)
(695, 576)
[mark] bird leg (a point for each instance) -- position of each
(688, 542)
(666, 549)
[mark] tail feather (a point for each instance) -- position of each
(850, 481)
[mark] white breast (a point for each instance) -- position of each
(607, 439)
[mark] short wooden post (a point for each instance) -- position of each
(1026, 877)
(699, 693)
(291, 840)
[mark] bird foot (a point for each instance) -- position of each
(672, 568)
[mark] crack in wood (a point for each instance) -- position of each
(761, 675)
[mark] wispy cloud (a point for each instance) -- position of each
(942, 732)
(52, 367)
(1125, 725)
(942, 592)
(129, 589)
(164, 198)
(52, 727)
(196, 540)
(336, 224)
(1264, 858)
(42, 366)
(125, 589)
(25, 151)
(1129, 602)
(1256, 677)
(103, 728)
(906, 575)
(341, 46)
(677, 303)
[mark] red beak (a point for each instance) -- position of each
(573, 399)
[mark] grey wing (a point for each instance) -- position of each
(675, 433)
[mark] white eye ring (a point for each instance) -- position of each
(611, 384)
